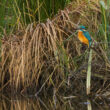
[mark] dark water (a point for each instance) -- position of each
(49, 103)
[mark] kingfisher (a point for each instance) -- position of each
(84, 36)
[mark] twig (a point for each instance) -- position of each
(70, 97)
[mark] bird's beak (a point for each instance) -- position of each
(78, 28)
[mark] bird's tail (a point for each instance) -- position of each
(90, 43)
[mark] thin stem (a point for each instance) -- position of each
(88, 83)
(38, 10)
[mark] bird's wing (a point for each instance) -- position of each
(87, 35)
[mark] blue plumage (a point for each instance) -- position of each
(86, 34)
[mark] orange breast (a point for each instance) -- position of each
(82, 38)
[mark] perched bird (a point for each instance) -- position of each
(84, 36)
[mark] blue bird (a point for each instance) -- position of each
(84, 36)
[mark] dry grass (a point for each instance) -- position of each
(29, 54)
(46, 54)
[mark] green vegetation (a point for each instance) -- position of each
(40, 50)
(104, 27)
(17, 14)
